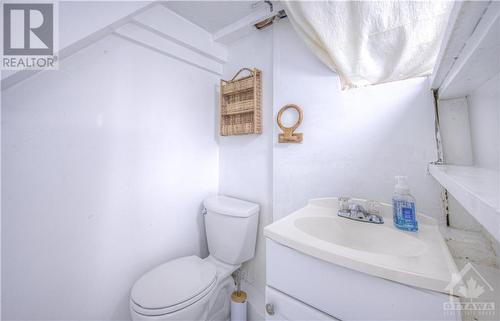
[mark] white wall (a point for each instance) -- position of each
(105, 164)
(484, 104)
(455, 130)
(246, 161)
(355, 141)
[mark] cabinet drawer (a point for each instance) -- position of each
(287, 308)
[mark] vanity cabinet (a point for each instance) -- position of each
(301, 287)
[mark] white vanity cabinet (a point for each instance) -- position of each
(320, 266)
(301, 287)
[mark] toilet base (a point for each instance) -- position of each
(220, 306)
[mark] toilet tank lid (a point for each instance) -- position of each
(230, 206)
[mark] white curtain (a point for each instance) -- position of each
(369, 42)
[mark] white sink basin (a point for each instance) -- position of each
(419, 259)
(361, 236)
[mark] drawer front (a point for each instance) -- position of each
(280, 306)
(347, 294)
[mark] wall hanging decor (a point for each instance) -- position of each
(288, 135)
(240, 104)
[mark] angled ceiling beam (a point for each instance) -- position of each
(245, 25)
(462, 22)
(174, 27)
(94, 20)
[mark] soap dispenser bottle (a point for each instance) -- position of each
(403, 206)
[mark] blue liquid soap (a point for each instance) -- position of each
(403, 206)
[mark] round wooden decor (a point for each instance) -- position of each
(288, 135)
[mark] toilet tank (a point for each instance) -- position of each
(231, 226)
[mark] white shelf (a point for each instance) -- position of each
(477, 60)
(476, 189)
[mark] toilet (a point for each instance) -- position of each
(192, 288)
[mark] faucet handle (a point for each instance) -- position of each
(375, 218)
(353, 207)
(344, 203)
(372, 207)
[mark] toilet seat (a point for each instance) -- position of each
(173, 286)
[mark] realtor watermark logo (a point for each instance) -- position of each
(473, 290)
(29, 36)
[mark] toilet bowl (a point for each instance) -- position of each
(191, 288)
(183, 289)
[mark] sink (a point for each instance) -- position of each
(420, 259)
(361, 236)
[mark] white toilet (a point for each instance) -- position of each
(191, 288)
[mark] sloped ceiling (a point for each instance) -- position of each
(195, 32)
(213, 15)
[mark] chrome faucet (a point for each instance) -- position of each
(357, 212)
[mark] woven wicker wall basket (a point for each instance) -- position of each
(240, 104)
